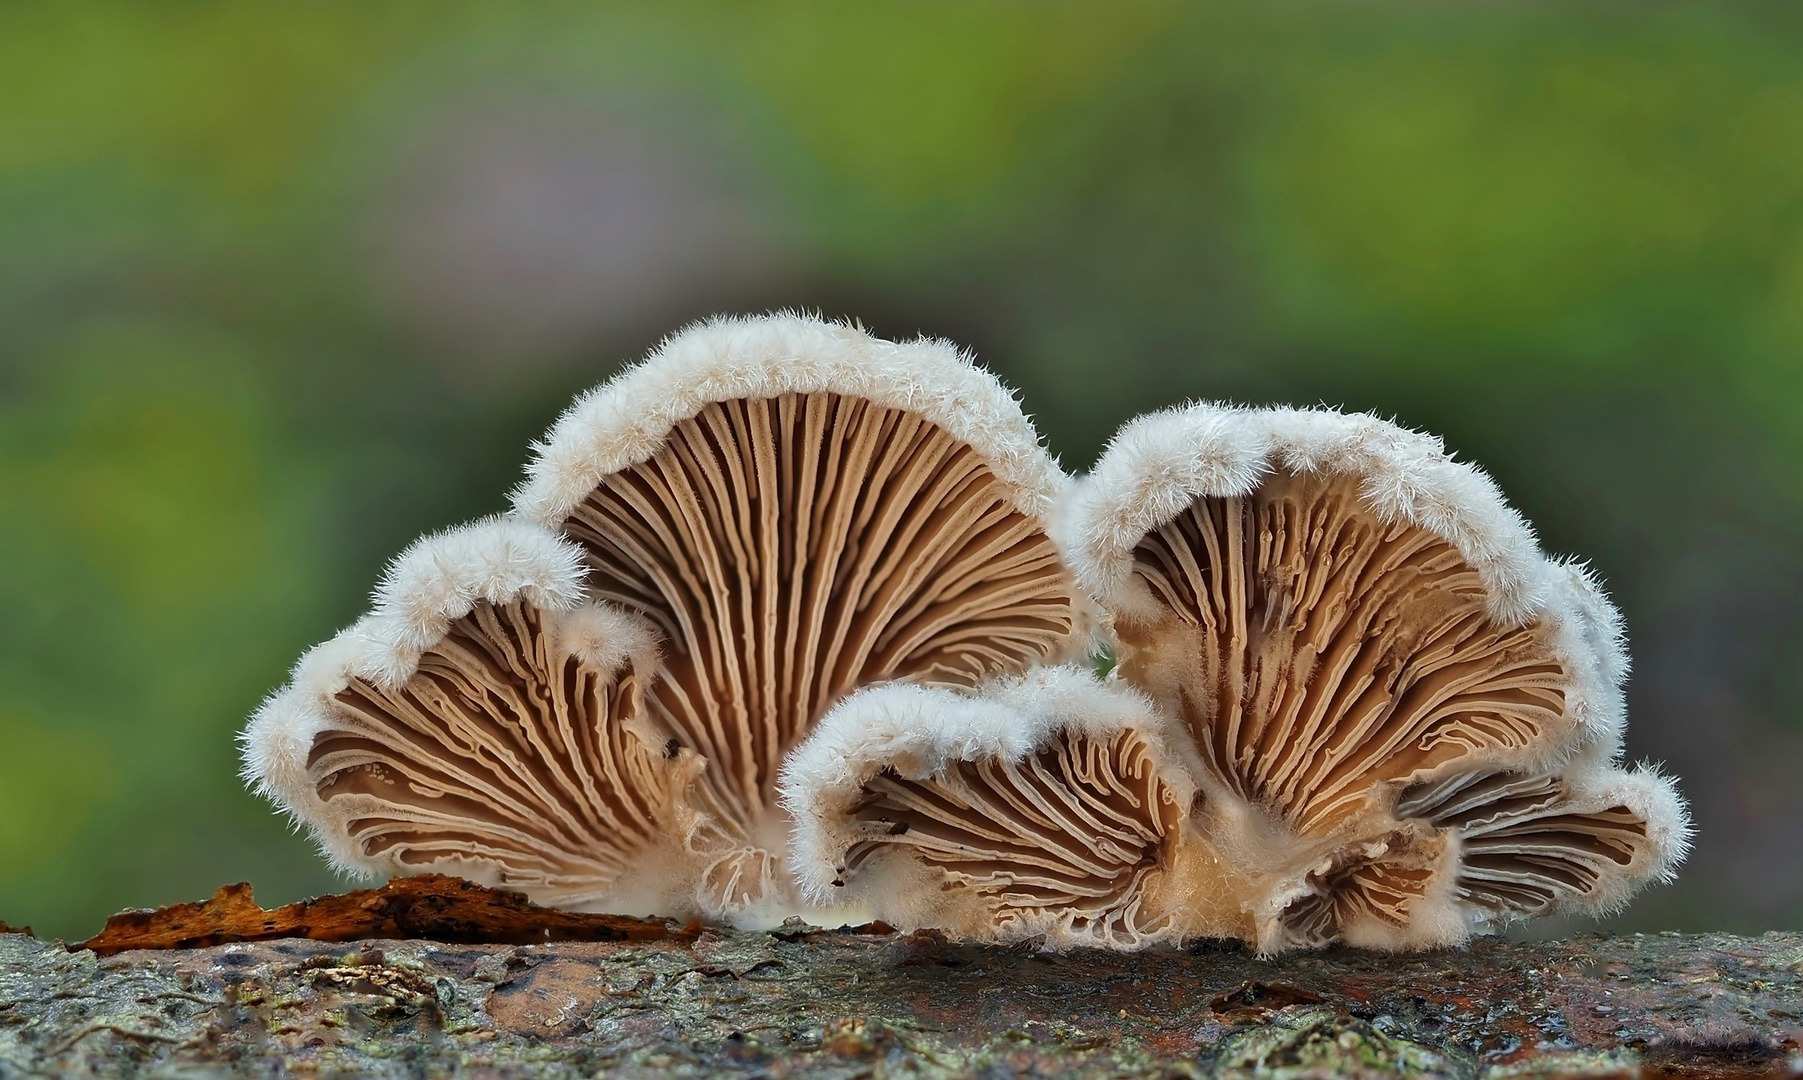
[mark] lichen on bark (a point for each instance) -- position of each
(807, 1002)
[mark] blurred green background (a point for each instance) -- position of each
(283, 286)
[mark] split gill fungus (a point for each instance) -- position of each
(790, 620)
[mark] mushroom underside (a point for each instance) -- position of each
(1525, 846)
(1522, 847)
(505, 756)
(795, 547)
(1316, 651)
(1066, 835)
(1374, 883)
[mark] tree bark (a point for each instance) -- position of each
(806, 1002)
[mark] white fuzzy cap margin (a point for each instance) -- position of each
(625, 421)
(1158, 464)
(920, 732)
(437, 580)
(1649, 795)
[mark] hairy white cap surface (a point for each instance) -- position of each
(627, 420)
(1159, 463)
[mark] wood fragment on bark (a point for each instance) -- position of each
(428, 906)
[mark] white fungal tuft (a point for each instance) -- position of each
(627, 420)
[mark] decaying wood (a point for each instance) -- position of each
(805, 1002)
(431, 906)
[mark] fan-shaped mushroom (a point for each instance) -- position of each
(485, 719)
(802, 509)
(1043, 806)
(1354, 701)
(1338, 613)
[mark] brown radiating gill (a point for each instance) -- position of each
(1319, 652)
(1524, 847)
(1374, 882)
(502, 753)
(1074, 831)
(793, 548)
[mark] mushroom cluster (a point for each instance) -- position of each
(789, 620)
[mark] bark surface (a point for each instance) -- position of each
(806, 1002)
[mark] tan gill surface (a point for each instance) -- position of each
(791, 549)
(503, 753)
(1073, 830)
(1316, 652)
(1524, 847)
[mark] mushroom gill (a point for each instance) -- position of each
(484, 720)
(1071, 829)
(1366, 892)
(505, 750)
(1338, 614)
(816, 510)
(1042, 806)
(1480, 850)
(1535, 845)
(1317, 652)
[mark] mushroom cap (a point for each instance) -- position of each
(485, 719)
(1333, 604)
(1044, 806)
(802, 509)
(1338, 613)
(1158, 464)
(629, 419)
(1578, 842)
(1478, 851)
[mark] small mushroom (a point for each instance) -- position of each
(801, 509)
(1578, 842)
(1045, 807)
(1343, 618)
(486, 719)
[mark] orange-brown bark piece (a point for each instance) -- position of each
(429, 906)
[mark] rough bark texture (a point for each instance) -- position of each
(802, 1002)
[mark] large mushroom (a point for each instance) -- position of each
(1401, 720)
(802, 509)
(1354, 701)
(792, 509)
(789, 509)
(1350, 625)
(487, 719)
